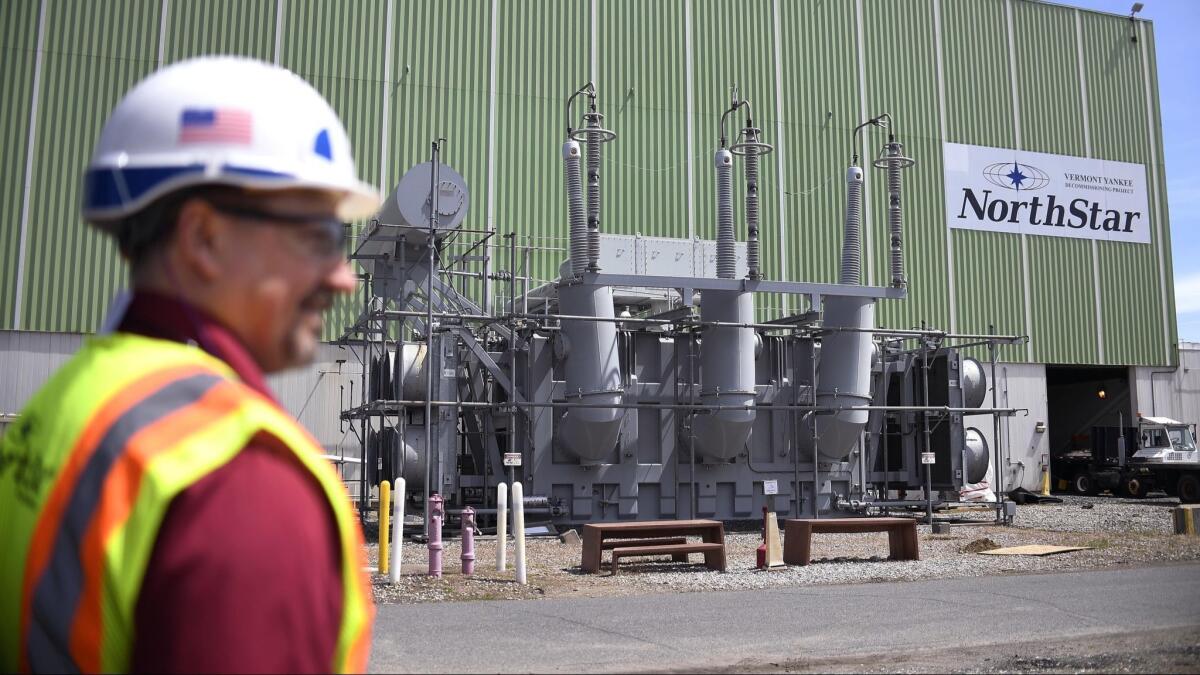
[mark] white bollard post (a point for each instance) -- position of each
(518, 499)
(397, 530)
(501, 527)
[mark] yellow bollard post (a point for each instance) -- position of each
(1045, 481)
(385, 517)
(1185, 519)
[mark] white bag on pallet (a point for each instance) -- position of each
(979, 492)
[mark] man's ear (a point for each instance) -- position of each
(202, 240)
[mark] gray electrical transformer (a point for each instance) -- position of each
(642, 384)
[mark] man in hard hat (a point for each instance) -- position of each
(161, 512)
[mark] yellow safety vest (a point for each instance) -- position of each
(86, 476)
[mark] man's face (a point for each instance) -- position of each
(279, 264)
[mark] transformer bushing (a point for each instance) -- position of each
(726, 258)
(752, 149)
(851, 270)
(594, 137)
(893, 160)
(576, 209)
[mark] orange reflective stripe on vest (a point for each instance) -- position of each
(55, 576)
(120, 489)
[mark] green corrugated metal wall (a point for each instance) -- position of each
(989, 285)
(1050, 119)
(72, 272)
(901, 74)
(1129, 278)
(642, 79)
(440, 89)
(242, 27)
(956, 84)
(821, 102)
(543, 56)
(733, 45)
(18, 33)
(1167, 272)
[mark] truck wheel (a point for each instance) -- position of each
(1084, 484)
(1188, 489)
(1134, 487)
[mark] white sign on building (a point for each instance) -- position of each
(1003, 190)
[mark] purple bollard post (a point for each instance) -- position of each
(436, 515)
(468, 541)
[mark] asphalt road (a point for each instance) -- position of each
(742, 628)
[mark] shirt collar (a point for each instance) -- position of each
(159, 316)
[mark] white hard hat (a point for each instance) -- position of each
(226, 121)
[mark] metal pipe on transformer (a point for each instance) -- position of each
(525, 277)
(883, 441)
(512, 346)
(692, 387)
(400, 342)
(434, 175)
(995, 431)
(927, 436)
(888, 332)
(815, 438)
(795, 418)
(820, 410)
(362, 425)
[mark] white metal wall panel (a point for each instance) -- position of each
(1020, 385)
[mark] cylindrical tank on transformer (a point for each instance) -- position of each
(727, 375)
(844, 374)
(593, 372)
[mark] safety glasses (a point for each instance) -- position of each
(323, 236)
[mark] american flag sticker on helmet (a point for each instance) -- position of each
(215, 125)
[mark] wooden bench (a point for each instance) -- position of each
(678, 553)
(660, 535)
(669, 541)
(798, 532)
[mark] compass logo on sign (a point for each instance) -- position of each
(1016, 176)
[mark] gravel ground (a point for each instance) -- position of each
(1117, 532)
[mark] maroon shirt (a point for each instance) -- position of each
(245, 575)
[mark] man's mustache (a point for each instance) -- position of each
(320, 300)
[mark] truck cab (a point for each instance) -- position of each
(1162, 440)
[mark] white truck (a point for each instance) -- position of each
(1164, 456)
